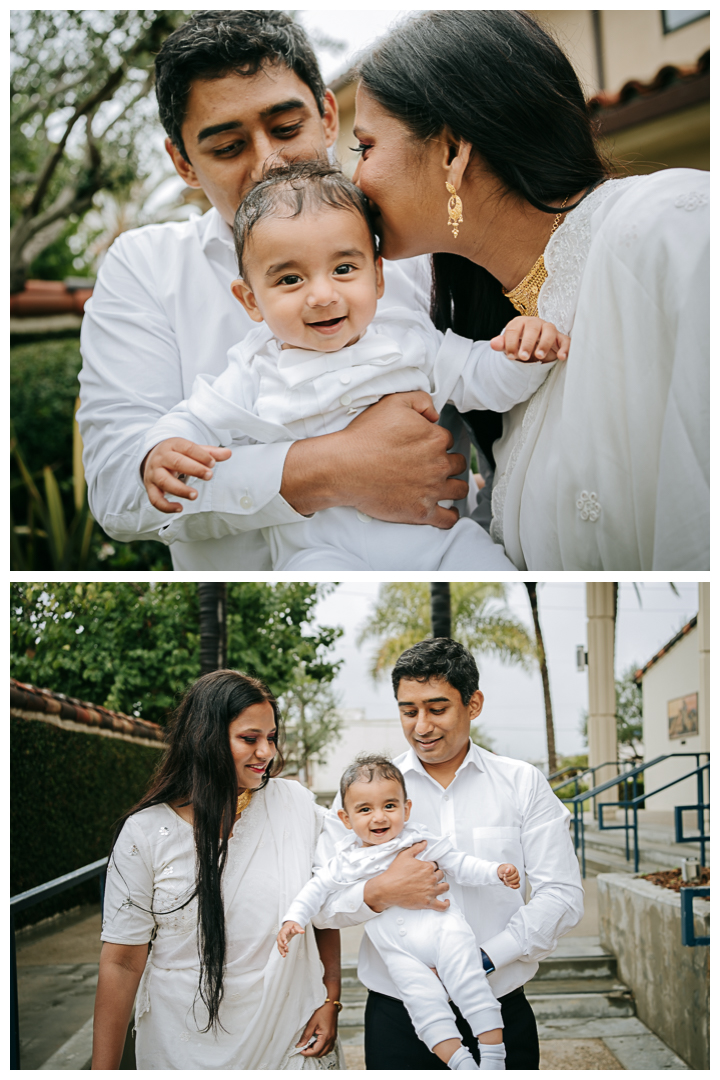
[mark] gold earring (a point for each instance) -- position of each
(454, 209)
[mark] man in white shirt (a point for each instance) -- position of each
(236, 89)
(492, 807)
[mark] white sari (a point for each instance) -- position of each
(268, 1000)
(607, 466)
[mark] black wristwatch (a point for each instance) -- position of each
(487, 962)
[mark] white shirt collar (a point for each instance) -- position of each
(472, 758)
(215, 230)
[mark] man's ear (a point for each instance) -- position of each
(475, 704)
(330, 118)
(242, 292)
(182, 167)
(379, 277)
(343, 815)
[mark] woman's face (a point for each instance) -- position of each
(253, 742)
(403, 179)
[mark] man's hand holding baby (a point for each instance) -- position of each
(509, 875)
(168, 464)
(288, 930)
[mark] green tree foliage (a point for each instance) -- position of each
(480, 620)
(628, 714)
(312, 723)
(134, 647)
(79, 100)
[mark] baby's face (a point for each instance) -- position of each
(312, 278)
(375, 810)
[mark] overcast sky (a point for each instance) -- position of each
(514, 714)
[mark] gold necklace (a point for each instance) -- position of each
(524, 297)
(243, 802)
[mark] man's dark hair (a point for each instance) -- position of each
(212, 44)
(367, 767)
(291, 188)
(439, 658)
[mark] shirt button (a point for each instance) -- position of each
(401, 920)
(402, 933)
(363, 517)
(446, 798)
(345, 379)
(246, 502)
(346, 399)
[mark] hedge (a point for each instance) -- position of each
(68, 790)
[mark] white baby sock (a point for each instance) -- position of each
(492, 1056)
(462, 1059)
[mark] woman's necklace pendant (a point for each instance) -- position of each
(524, 297)
(243, 802)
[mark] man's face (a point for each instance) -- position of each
(435, 721)
(233, 125)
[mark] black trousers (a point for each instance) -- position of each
(391, 1041)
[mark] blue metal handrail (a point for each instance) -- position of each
(633, 804)
(29, 899)
(687, 895)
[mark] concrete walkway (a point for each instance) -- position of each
(57, 976)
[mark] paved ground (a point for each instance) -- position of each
(57, 975)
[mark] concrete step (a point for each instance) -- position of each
(554, 1006)
(559, 968)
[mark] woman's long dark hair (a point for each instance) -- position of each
(499, 81)
(198, 767)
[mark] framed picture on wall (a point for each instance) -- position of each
(683, 716)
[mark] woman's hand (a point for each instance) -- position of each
(530, 339)
(408, 882)
(172, 459)
(323, 1024)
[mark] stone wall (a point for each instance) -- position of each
(640, 924)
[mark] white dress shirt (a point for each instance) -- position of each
(161, 313)
(503, 810)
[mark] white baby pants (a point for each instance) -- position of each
(341, 538)
(410, 943)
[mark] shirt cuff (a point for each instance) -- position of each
(502, 949)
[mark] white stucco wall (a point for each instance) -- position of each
(672, 676)
(360, 736)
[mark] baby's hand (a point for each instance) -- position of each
(528, 338)
(509, 875)
(169, 463)
(288, 930)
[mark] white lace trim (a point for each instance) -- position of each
(565, 258)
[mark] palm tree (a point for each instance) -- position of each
(479, 619)
(213, 626)
(531, 587)
(440, 610)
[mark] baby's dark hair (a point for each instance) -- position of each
(292, 187)
(368, 767)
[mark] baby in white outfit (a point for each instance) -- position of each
(311, 278)
(412, 943)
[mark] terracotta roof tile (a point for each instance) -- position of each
(25, 698)
(666, 648)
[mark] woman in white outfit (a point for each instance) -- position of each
(200, 874)
(606, 467)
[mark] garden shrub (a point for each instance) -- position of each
(68, 790)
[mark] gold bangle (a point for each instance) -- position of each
(338, 1003)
